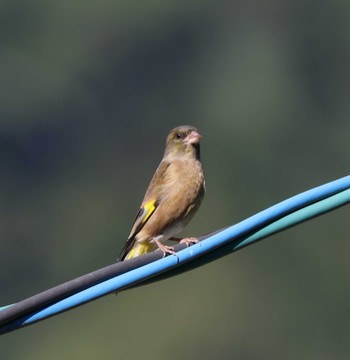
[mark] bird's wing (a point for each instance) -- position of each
(142, 216)
(145, 212)
(149, 205)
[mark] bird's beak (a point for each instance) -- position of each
(193, 137)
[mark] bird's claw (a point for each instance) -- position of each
(167, 250)
(189, 241)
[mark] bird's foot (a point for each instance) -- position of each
(165, 249)
(189, 241)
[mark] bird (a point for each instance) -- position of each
(172, 198)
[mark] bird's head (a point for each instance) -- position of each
(183, 140)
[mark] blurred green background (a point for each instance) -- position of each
(88, 92)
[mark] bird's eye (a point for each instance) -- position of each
(178, 135)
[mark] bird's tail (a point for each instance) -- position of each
(140, 249)
(133, 248)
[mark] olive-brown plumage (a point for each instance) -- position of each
(172, 198)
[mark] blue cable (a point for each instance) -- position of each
(276, 218)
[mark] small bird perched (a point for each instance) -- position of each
(172, 198)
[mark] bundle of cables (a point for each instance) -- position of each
(153, 267)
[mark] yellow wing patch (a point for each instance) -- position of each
(142, 216)
(149, 208)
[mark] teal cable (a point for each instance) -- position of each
(299, 216)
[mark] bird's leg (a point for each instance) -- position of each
(165, 249)
(188, 241)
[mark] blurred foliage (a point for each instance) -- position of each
(88, 92)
